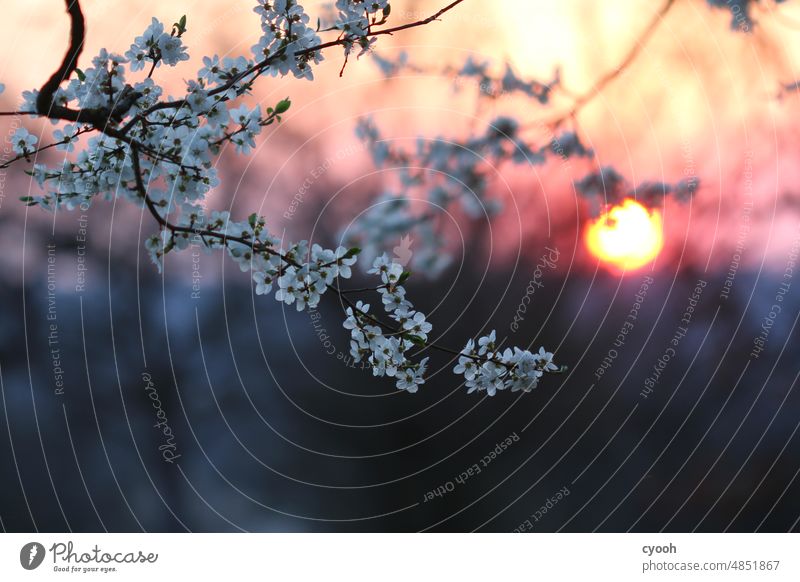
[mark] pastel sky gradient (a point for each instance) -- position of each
(699, 99)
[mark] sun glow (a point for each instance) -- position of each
(627, 236)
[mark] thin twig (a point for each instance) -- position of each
(266, 62)
(36, 152)
(600, 84)
(47, 107)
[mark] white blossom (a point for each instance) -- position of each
(23, 141)
(487, 343)
(513, 368)
(172, 49)
(67, 135)
(162, 157)
(144, 46)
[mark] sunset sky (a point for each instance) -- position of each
(700, 99)
(668, 396)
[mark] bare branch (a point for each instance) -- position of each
(597, 88)
(264, 64)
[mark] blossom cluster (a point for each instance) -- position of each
(157, 46)
(475, 73)
(287, 38)
(445, 172)
(23, 142)
(302, 284)
(159, 151)
(386, 352)
(177, 144)
(179, 138)
(355, 19)
(487, 368)
(606, 186)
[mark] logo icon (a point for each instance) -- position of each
(31, 555)
(402, 252)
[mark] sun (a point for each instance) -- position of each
(627, 236)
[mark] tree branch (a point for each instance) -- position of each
(597, 88)
(100, 118)
(260, 66)
(44, 102)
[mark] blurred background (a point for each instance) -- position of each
(679, 410)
